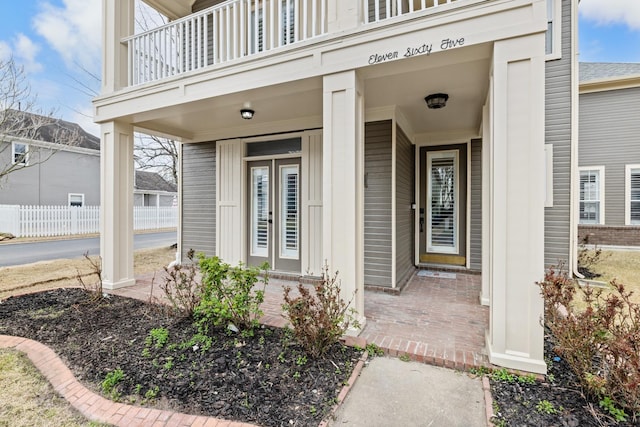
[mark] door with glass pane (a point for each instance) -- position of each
(274, 214)
(443, 205)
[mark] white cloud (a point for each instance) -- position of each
(24, 51)
(73, 30)
(605, 12)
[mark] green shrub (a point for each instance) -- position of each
(601, 343)
(320, 318)
(228, 296)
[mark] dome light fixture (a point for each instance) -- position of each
(436, 100)
(247, 113)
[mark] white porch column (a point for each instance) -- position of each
(116, 205)
(515, 337)
(343, 183)
(118, 22)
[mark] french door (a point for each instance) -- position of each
(443, 204)
(273, 215)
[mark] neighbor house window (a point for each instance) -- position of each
(632, 195)
(554, 29)
(76, 200)
(20, 153)
(592, 195)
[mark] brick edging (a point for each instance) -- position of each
(95, 407)
(488, 400)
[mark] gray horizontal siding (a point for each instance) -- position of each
(377, 204)
(610, 137)
(405, 191)
(475, 251)
(199, 198)
(558, 133)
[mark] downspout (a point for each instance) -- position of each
(575, 99)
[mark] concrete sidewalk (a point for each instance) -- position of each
(390, 392)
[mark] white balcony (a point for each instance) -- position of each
(240, 28)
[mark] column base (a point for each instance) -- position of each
(514, 361)
(354, 332)
(108, 284)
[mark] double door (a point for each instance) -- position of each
(273, 215)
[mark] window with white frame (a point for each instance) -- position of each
(76, 200)
(592, 195)
(632, 195)
(20, 153)
(553, 45)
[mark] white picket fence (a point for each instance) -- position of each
(43, 221)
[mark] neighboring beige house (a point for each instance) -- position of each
(376, 135)
(610, 153)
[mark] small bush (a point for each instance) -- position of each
(110, 383)
(320, 318)
(228, 296)
(601, 343)
(181, 287)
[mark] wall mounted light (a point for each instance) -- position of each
(436, 100)
(247, 113)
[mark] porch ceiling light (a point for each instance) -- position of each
(247, 113)
(436, 100)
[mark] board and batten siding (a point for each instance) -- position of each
(199, 198)
(558, 133)
(377, 204)
(405, 192)
(610, 137)
(475, 238)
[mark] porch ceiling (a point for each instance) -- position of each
(463, 74)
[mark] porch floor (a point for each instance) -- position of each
(434, 320)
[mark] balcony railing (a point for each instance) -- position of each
(222, 33)
(240, 28)
(379, 10)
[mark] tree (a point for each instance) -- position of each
(157, 154)
(28, 137)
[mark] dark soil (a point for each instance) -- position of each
(517, 403)
(265, 379)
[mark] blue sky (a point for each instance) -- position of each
(58, 44)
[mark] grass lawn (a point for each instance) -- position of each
(623, 266)
(27, 399)
(54, 274)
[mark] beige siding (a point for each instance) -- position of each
(199, 198)
(405, 190)
(475, 251)
(377, 204)
(558, 133)
(610, 137)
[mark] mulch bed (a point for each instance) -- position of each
(265, 379)
(518, 404)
